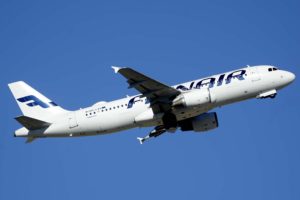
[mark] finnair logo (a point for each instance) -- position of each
(34, 101)
(214, 81)
(136, 99)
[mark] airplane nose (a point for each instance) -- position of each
(290, 76)
(286, 78)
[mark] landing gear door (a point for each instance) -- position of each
(72, 120)
(254, 73)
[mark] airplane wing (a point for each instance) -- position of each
(159, 94)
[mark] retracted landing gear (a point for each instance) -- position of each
(269, 94)
(155, 133)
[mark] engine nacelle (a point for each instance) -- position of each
(196, 97)
(203, 122)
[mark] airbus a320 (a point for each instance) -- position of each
(186, 106)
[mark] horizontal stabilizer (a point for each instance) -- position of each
(31, 123)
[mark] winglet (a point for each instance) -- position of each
(141, 140)
(116, 69)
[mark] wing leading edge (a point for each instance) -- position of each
(159, 94)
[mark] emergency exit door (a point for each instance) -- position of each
(255, 76)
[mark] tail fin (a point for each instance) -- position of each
(32, 103)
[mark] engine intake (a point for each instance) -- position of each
(203, 122)
(193, 98)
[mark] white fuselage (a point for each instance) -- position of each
(135, 111)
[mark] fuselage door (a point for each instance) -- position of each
(72, 120)
(254, 74)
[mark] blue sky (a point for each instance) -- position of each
(65, 49)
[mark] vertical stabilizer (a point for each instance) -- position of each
(32, 103)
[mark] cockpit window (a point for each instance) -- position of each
(272, 69)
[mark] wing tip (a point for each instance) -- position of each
(116, 69)
(141, 140)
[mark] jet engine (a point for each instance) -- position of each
(203, 122)
(196, 97)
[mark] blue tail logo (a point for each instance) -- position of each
(34, 101)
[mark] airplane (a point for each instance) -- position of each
(184, 106)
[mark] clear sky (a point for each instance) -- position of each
(65, 49)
